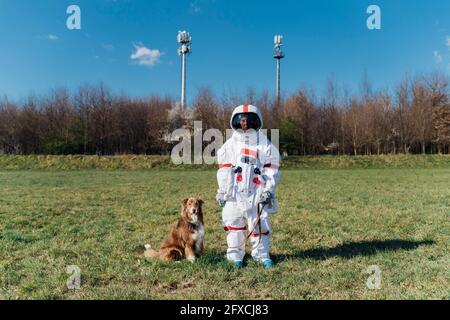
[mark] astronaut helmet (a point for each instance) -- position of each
(246, 117)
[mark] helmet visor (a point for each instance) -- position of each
(246, 121)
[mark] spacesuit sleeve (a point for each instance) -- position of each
(224, 172)
(271, 168)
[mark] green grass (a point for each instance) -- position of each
(331, 226)
(141, 162)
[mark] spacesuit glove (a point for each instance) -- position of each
(220, 198)
(265, 198)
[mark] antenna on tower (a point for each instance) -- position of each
(278, 55)
(185, 40)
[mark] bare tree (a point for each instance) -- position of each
(421, 115)
(9, 127)
(440, 104)
(414, 119)
(404, 115)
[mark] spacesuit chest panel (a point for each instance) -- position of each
(248, 179)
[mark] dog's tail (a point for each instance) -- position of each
(165, 254)
(150, 252)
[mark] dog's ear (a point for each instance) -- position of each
(184, 202)
(200, 201)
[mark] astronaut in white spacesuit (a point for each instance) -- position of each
(248, 175)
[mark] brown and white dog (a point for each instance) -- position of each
(186, 238)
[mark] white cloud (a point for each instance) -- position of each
(199, 6)
(437, 56)
(447, 42)
(107, 46)
(194, 7)
(52, 37)
(145, 56)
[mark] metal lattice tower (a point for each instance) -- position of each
(278, 55)
(185, 40)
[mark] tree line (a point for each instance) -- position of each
(413, 117)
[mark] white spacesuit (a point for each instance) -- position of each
(248, 175)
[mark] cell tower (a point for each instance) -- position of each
(278, 55)
(184, 39)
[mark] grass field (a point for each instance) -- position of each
(332, 225)
(145, 162)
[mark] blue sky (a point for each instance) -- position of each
(232, 44)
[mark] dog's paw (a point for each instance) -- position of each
(147, 246)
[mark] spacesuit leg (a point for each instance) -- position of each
(235, 226)
(260, 249)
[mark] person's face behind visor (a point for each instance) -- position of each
(246, 121)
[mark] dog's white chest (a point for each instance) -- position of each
(198, 236)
